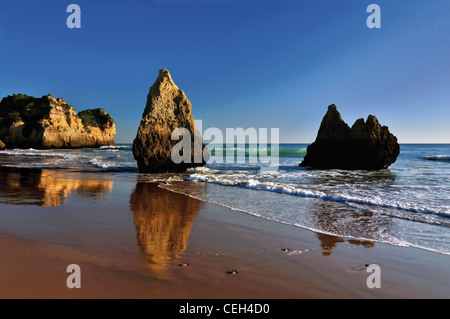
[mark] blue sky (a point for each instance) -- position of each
(258, 63)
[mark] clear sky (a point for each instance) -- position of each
(241, 63)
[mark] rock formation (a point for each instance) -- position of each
(366, 145)
(48, 123)
(167, 109)
(2, 146)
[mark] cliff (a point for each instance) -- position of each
(49, 123)
(366, 145)
(167, 109)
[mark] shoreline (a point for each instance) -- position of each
(211, 240)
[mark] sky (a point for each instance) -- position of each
(255, 63)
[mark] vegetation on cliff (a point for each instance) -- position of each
(96, 118)
(46, 122)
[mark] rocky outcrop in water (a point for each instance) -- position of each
(366, 145)
(49, 123)
(167, 109)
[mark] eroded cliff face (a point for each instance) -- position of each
(167, 109)
(366, 145)
(48, 123)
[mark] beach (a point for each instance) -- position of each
(188, 151)
(135, 239)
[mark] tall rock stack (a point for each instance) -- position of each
(167, 109)
(366, 145)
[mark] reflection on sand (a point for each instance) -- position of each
(365, 243)
(163, 222)
(41, 187)
(328, 242)
(333, 217)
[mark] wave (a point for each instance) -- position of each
(300, 152)
(443, 158)
(118, 147)
(113, 166)
(296, 191)
(108, 158)
(248, 168)
(33, 152)
(259, 151)
(392, 240)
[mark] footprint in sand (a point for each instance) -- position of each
(183, 265)
(361, 267)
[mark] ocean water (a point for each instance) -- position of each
(405, 205)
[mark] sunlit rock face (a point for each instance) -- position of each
(167, 109)
(50, 123)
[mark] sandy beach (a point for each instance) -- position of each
(138, 240)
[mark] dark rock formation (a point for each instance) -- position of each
(48, 123)
(167, 109)
(366, 145)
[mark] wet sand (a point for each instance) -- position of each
(142, 241)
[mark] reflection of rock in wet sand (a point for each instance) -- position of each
(365, 243)
(336, 218)
(57, 189)
(328, 242)
(163, 222)
(45, 187)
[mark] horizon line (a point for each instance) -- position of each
(412, 143)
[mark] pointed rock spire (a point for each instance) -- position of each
(366, 145)
(167, 109)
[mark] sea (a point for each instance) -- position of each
(406, 205)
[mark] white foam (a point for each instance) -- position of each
(371, 201)
(437, 157)
(379, 238)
